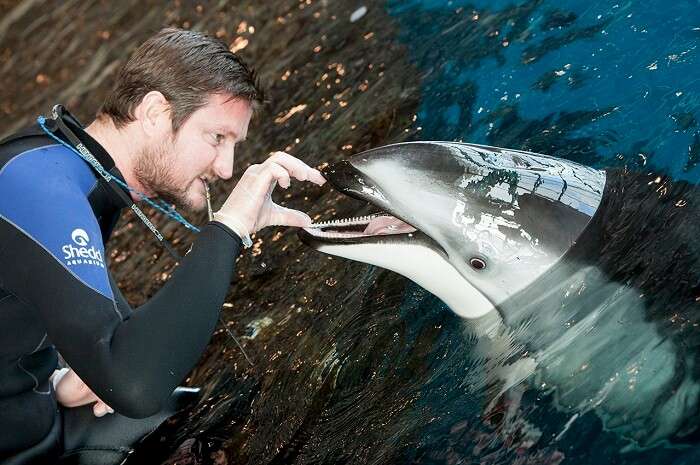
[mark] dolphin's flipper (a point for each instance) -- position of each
(110, 439)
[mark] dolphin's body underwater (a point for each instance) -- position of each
(588, 279)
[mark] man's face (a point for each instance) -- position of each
(203, 148)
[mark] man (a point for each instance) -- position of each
(178, 109)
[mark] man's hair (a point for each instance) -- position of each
(187, 67)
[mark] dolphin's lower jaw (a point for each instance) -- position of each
(416, 261)
(406, 251)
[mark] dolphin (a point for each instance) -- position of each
(582, 282)
(486, 221)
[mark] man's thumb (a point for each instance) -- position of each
(287, 217)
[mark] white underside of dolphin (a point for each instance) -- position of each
(423, 266)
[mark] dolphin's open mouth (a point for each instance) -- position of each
(378, 224)
(345, 178)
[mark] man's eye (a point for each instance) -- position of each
(218, 138)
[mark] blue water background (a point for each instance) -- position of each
(632, 67)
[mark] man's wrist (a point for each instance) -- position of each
(234, 225)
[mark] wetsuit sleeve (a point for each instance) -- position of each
(53, 259)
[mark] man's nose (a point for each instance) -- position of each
(223, 164)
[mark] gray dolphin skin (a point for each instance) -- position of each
(577, 282)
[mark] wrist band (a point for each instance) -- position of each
(235, 226)
(57, 375)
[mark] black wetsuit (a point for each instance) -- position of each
(56, 294)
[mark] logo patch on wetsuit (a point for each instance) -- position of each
(78, 253)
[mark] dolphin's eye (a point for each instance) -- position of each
(477, 263)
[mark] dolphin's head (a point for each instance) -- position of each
(471, 224)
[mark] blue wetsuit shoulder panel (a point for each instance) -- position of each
(44, 193)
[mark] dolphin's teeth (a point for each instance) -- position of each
(332, 235)
(356, 221)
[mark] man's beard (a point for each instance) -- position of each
(153, 170)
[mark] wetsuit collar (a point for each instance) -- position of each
(100, 153)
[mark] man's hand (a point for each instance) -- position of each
(71, 391)
(250, 208)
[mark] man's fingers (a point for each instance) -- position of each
(99, 409)
(276, 164)
(280, 174)
(258, 179)
(317, 178)
(297, 168)
(250, 207)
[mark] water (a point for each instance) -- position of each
(354, 364)
(601, 82)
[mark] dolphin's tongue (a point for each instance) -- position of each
(387, 225)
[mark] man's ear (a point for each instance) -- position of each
(153, 114)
